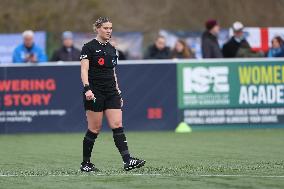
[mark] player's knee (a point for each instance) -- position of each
(95, 128)
(117, 124)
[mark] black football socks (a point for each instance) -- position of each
(88, 144)
(121, 143)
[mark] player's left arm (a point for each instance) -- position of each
(116, 83)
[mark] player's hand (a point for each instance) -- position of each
(90, 95)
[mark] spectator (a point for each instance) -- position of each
(210, 47)
(67, 52)
(121, 55)
(232, 48)
(28, 52)
(181, 50)
(277, 49)
(158, 50)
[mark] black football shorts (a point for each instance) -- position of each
(102, 102)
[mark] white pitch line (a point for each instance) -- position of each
(243, 176)
(83, 175)
(251, 176)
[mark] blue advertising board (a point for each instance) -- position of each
(48, 98)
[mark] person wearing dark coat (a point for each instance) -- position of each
(158, 50)
(237, 42)
(67, 52)
(209, 46)
(121, 55)
(114, 43)
(231, 48)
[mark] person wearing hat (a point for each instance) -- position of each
(237, 46)
(28, 51)
(210, 47)
(67, 52)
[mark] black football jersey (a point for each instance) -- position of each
(102, 60)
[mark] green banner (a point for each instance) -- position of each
(242, 91)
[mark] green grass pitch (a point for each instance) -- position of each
(201, 159)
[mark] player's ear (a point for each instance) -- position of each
(95, 28)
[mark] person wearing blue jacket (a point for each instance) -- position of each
(28, 52)
(277, 49)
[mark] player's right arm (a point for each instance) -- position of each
(84, 76)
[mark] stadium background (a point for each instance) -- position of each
(219, 155)
(45, 16)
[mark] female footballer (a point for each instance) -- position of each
(102, 95)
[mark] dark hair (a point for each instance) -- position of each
(279, 40)
(99, 22)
